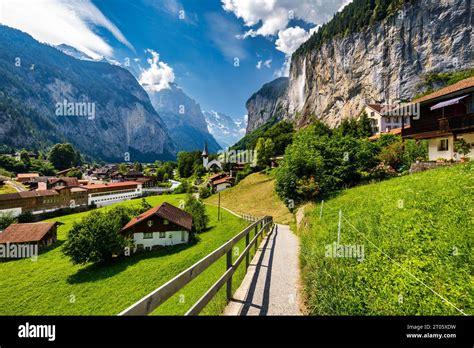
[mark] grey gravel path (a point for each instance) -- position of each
(271, 284)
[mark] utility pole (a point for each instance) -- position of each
(219, 207)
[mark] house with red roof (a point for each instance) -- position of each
(383, 121)
(163, 225)
(445, 116)
(42, 234)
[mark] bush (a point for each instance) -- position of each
(97, 238)
(183, 188)
(198, 211)
(6, 220)
(144, 206)
(316, 164)
(204, 192)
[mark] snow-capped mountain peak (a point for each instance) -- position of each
(225, 130)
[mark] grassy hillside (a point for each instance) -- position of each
(255, 195)
(53, 286)
(423, 222)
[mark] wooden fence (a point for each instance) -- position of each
(150, 302)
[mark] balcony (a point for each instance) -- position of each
(456, 123)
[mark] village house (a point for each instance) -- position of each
(222, 184)
(220, 181)
(148, 181)
(164, 225)
(382, 121)
(42, 234)
(109, 193)
(445, 116)
(105, 172)
(26, 177)
(132, 175)
(42, 201)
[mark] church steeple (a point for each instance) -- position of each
(205, 152)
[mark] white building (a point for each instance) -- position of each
(111, 193)
(382, 123)
(164, 225)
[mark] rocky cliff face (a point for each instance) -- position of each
(184, 119)
(101, 109)
(382, 63)
(270, 102)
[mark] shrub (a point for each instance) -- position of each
(198, 211)
(144, 206)
(462, 147)
(204, 192)
(6, 220)
(97, 238)
(317, 165)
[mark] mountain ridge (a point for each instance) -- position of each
(41, 76)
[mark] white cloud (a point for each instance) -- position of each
(271, 16)
(291, 38)
(264, 63)
(288, 42)
(63, 21)
(158, 76)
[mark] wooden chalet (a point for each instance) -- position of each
(445, 116)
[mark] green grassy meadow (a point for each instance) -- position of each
(255, 195)
(424, 222)
(54, 286)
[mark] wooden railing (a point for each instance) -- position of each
(150, 302)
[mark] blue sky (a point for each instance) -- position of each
(194, 43)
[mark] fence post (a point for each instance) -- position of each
(247, 257)
(229, 282)
(256, 241)
(339, 227)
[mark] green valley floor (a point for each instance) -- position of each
(54, 286)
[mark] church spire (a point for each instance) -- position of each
(205, 152)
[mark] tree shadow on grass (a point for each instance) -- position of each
(95, 272)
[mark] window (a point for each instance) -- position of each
(148, 235)
(166, 222)
(162, 235)
(443, 145)
(182, 236)
(470, 105)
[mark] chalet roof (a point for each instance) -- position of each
(459, 86)
(376, 107)
(165, 211)
(133, 173)
(395, 131)
(112, 185)
(27, 175)
(223, 180)
(217, 176)
(68, 181)
(22, 233)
